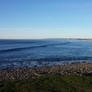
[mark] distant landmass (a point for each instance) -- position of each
(70, 38)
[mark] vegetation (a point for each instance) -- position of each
(49, 83)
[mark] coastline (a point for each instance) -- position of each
(84, 68)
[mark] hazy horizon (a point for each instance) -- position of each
(43, 19)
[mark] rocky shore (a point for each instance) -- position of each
(25, 73)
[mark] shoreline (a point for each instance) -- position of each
(84, 68)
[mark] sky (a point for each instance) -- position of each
(37, 19)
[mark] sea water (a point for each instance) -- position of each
(28, 53)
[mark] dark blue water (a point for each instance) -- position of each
(21, 53)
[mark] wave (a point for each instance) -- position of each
(42, 62)
(37, 46)
(62, 58)
(19, 49)
(12, 42)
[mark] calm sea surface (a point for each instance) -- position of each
(27, 53)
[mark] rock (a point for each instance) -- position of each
(25, 73)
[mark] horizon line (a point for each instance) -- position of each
(66, 38)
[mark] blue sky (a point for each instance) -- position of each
(33, 19)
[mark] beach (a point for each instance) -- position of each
(25, 73)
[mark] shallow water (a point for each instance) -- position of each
(20, 53)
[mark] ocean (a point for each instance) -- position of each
(28, 53)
